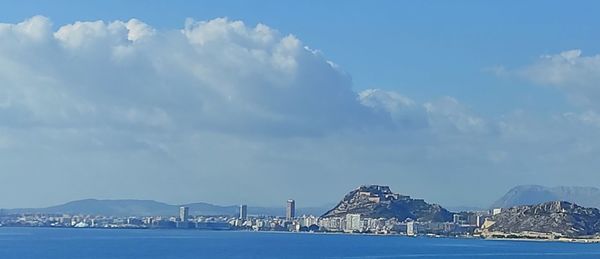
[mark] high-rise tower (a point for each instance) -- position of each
(243, 212)
(290, 210)
(184, 213)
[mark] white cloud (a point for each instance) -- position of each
(447, 113)
(138, 30)
(34, 29)
(403, 111)
(219, 74)
(577, 75)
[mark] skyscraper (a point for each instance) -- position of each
(290, 210)
(243, 212)
(184, 213)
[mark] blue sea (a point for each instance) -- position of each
(62, 243)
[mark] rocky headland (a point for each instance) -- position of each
(376, 201)
(549, 220)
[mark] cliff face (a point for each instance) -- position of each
(377, 201)
(560, 217)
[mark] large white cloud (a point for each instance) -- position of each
(216, 74)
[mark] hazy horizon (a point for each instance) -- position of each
(258, 102)
(275, 206)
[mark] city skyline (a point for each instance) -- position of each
(245, 103)
(372, 209)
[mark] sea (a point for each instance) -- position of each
(23, 243)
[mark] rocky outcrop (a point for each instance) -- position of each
(557, 217)
(377, 201)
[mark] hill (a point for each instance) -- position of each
(377, 201)
(556, 217)
(151, 208)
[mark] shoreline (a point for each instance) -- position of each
(559, 240)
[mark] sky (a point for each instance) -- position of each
(257, 102)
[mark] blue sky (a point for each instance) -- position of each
(453, 78)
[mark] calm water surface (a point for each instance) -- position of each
(98, 243)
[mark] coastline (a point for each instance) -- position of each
(561, 240)
(558, 240)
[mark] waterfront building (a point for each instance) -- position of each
(243, 212)
(184, 213)
(374, 224)
(134, 221)
(307, 221)
(411, 228)
(475, 220)
(353, 222)
(479, 220)
(331, 224)
(290, 210)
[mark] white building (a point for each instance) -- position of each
(184, 213)
(307, 221)
(496, 211)
(331, 224)
(243, 212)
(411, 228)
(353, 222)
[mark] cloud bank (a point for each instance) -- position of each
(217, 75)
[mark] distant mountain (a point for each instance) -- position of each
(559, 217)
(150, 208)
(104, 207)
(535, 194)
(377, 201)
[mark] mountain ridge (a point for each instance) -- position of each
(536, 194)
(135, 207)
